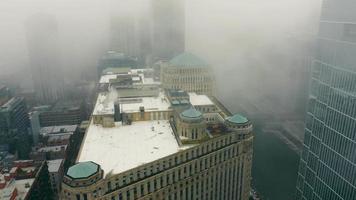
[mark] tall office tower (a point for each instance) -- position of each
(14, 124)
(4, 94)
(328, 162)
(168, 28)
(131, 36)
(124, 35)
(47, 76)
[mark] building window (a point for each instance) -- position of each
(350, 32)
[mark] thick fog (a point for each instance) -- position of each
(259, 49)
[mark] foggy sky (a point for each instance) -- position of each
(241, 39)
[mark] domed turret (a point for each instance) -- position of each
(191, 125)
(191, 115)
(83, 174)
(239, 123)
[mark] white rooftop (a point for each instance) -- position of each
(199, 99)
(52, 148)
(59, 137)
(137, 75)
(58, 129)
(125, 147)
(159, 103)
(105, 103)
(107, 77)
(23, 188)
(54, 165)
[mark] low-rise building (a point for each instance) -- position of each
(113, 59)
(58, 135)
(23, 181)
(63, 113)
(55, 170)
(49, 153)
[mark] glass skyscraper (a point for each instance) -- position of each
(327, 168)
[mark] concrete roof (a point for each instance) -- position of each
(124, 147)
(54, 165)
(199, 99)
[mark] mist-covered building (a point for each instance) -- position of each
(123, 35)
(168, 28)
(14, 125)
(14, 117)
(4, 94)
(131, 35)
(188, 72)
(63, 113)
(327, 167)
(44, 55)
(160, 145)
(113, 59)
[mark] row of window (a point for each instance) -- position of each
(211, 160)
(192, 132)
(339, 185)
(198, 89)
(337, 121)
(173, 161)
(314, 187)
(189, 155)
(183, 71)
(334, 98)
(215, 183)
(336, 78)
(340, 165)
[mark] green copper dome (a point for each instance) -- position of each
(187, 60)
(237, 119)
(191, 113)
(82, 170)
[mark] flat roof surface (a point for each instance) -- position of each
(58, 129)
(199, 99)
(52, 148)
(124, 147)
(105, 103)
(159, 103)
(21, 187)
(107, 77)
(54, 165)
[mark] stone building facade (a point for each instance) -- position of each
(189, 73)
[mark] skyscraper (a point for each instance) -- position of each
(328, 162)
(14, 117)
(124, 35)
(14, 124)
(168, 37)
(42, 39)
